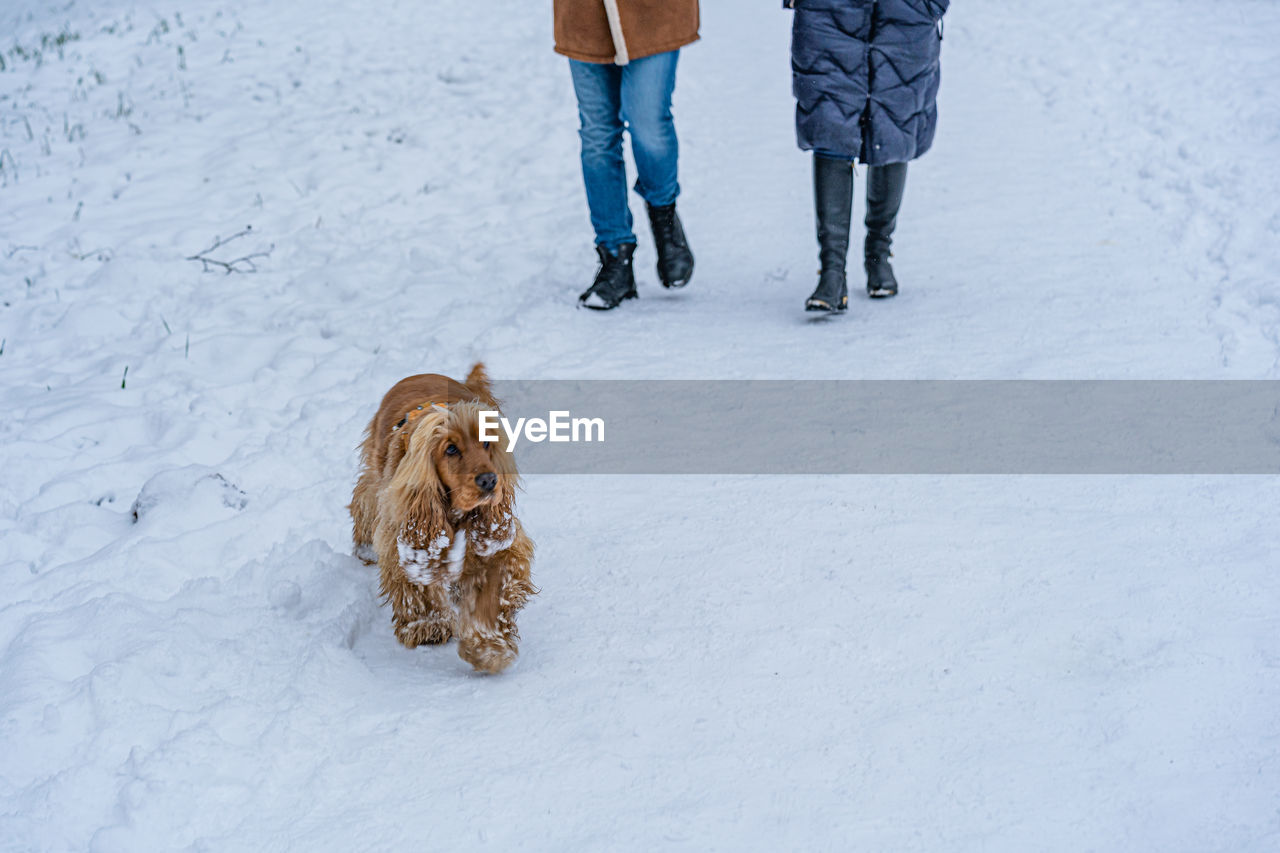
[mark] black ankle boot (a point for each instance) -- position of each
(615, 281)
(675, 261)
(833, 202)
(885, 186)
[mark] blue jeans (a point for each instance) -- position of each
(635, 97)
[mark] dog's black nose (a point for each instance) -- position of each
(486, 482)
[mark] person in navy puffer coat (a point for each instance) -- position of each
(865, 75)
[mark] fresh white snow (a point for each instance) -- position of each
(714, 663)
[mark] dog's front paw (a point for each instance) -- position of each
(431, 631)
(491, 653)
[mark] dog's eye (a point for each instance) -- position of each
(485, 444)
(451, 450)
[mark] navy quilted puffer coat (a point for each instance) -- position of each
(865, 75)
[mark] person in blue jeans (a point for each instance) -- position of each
(618, 89)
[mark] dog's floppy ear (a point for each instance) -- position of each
(478, 382)
(492, 526)
(415, 498)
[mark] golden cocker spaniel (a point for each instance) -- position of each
(426, 482)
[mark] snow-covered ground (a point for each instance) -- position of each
(731, 663)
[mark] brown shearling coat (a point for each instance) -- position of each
(583, 31)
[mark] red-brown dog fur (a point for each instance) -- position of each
(412, 500)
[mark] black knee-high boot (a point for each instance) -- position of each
(833, 203)
(885, 185)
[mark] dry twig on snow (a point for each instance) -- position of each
(242, 264)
